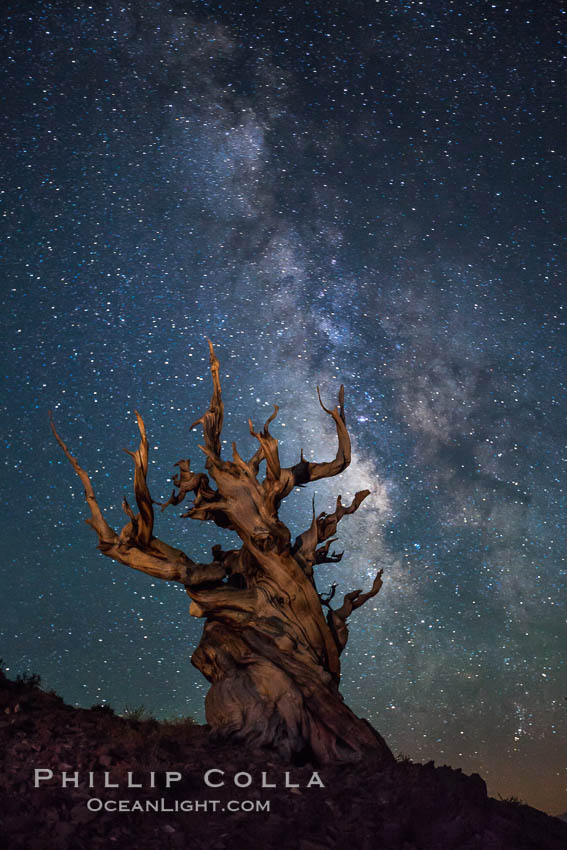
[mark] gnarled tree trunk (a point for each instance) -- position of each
(271, 644)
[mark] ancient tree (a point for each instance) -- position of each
(271, 643)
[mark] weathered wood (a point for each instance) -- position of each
(268, 650)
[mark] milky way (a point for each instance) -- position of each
(359, 193)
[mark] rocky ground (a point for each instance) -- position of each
(404, 807)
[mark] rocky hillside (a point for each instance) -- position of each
(404, 807)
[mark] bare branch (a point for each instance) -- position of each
(212, 419)
(256, 460)
(167, 562)
(145, 522)
(135, 546)
(304, 548)
(325, 599)
(305, 471)
(269, 446)
(322, 554)
(337, 619)
(321, 528)
(106, 534)
(187, 482)
(224, 602)
(356, 598)
(327, 523)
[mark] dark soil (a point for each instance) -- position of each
(404, 806)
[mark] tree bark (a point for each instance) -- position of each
(267, 648)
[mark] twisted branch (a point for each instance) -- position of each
(106, 535)
(337, 618)
(212, 419)
(269, 447)
(136, 546)
(306, 471)
(187, 481)
(327, 523)
(322, 528)
(145, 519)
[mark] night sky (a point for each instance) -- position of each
(333, 192)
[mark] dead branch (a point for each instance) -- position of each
(212, 419)
(322, 554)
(106, 535)
(321, 528)
(325, 599)
(187, 482)
(306, 471)
(356, 598)
(145, 519)
(336, 619)
(269, 447)
(135, 546)
(304, 548)
(327, 523)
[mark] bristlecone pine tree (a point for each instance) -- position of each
(271, 643)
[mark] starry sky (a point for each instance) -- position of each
(333, 192)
